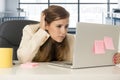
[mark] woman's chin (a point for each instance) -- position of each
(59, 41)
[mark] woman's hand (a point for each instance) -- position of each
(42, 21)
(116, 58)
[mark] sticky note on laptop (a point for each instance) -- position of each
(99, 47)
(109, 43)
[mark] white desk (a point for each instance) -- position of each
(49, 72)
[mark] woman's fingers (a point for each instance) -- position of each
(116, 58)
(42, 22)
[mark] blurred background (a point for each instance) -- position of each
(92, 11)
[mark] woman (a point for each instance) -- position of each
(47, 41)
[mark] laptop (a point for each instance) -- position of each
(95, 45)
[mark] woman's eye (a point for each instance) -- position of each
(66, 26)
(59, 26)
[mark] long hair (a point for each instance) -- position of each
(52, 50)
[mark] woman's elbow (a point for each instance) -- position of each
(22, 58)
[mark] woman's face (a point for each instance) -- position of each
(58, 29)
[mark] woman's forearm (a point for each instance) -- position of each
(30, 45)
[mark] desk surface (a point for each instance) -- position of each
(49, 72)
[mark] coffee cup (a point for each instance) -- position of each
(6, 57)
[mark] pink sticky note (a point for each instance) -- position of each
(29, 65)
(99, 47)
(109, 43)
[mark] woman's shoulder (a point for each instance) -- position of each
(70, 36)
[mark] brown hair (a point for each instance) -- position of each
(54, 13)
(52, 50)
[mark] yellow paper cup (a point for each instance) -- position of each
(6, 57)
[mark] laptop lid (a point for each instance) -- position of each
(95, 45)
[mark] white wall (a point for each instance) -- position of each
(2, 5)
(11, 5)
(119, 4)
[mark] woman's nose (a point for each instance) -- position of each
(63, 30)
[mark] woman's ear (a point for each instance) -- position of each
(46, 26)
